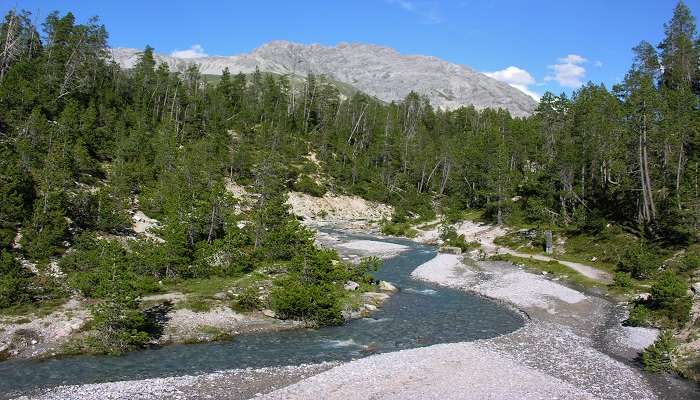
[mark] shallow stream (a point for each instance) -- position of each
(420, 314)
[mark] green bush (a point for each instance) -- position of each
(15, 282)
(659, 356)
(46, 231)
(491, 210)
(639, 261)
(639, 316)
(448, 234)
(95, 266)
(121, 326)
(690, 262)
(670, 297)
(398, 229)
(249, 300)
(319, 303)
(306, 184)
(622, 280)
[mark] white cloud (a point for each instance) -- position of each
(568, 71)
(406, 5)
(426, 10)
(517, 78)
(598, 64)
(195, 51)
(573, 59)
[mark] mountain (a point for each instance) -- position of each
(378, 71)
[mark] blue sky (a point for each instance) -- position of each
(537, 45)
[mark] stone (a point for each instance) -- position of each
(269, 313)
(374, 297)
(351, 286)
(696, 288)
(643, 297)
(450, 250)
(385, 286)
(548, 242)
(220, 296)
(370, 307)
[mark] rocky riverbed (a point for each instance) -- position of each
(573, 347)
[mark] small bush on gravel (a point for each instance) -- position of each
(449, 235)
(659, 356)
(249, 300)
(398, 229)
(670, 297)
(639, 316)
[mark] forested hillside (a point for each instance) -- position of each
(84, 143)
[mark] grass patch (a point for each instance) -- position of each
(601, 251)
(522, 241)
(551, 267)
(39, 309)
(203, 287)
(398, 229)
(213, 333)
(195, 303)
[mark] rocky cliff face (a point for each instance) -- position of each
(378, 71)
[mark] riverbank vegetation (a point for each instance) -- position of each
(85, 145)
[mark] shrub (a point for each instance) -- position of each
(95, 266)
(249, 300)
(292, 299)
(639, 316)
(622, 280)
(121, 327)
(690, 262)
(670, 297)
(15, 282)
(306, 184)
(449, 235)
(46, 231)
(659, 356)
(398, 229)
(639, 261)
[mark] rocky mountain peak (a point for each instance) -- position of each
(376, 70)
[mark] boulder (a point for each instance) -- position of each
(450, 250)
(385, 286)
(374, 297)
(269, 313)
(370, 307)
(643, 297)
(696, 288)
(351, 286)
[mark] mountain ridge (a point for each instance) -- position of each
(377, 70)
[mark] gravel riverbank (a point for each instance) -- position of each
(553, 356)
(572, 348)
